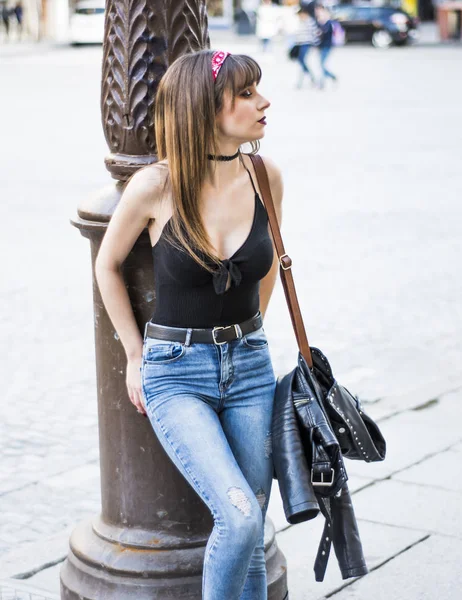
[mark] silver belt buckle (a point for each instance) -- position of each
(219, 329)
(323, 483)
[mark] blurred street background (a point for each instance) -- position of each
(372, 221)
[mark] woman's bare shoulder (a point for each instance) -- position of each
(274, 172)
(147, 187)
(149, 179)
(274, 178)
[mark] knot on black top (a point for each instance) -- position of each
(220, 278)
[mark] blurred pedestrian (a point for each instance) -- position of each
(289, 19)
(268, 21)
(249, 7)
(18, 12)
(326, 28)
(306, 36)
(5, 19)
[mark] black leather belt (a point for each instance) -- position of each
(215, 335)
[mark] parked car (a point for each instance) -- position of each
(381, 25)
(87, 22)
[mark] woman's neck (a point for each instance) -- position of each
(224, 173)
(226, 147)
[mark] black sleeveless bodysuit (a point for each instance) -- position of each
(187, 295)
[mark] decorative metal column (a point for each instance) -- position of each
(149, 540)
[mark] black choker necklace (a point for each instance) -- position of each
(222, 158)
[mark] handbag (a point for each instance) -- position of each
(338, 34)
(294, 52)
(357, 436)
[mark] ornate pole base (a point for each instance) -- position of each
(104, 565)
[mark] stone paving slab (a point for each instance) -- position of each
(49, 507)
(428, 571)
(26, 559)
(48, 579)
(413, 436)
(390, 405)
(441, 471)
(33, 447)
(300, 542)
(276, 507)
(411, 506)
(16, 590)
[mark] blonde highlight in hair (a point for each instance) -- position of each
(187, 102)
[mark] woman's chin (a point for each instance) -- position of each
(255, 137)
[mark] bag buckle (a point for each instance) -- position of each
(222, 328)
(322, 483)
(288, 262)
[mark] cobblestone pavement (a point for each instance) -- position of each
(372, 221)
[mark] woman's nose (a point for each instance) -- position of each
(264, 103)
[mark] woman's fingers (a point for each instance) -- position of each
(139, 402)
(136, 398)
(133, 382)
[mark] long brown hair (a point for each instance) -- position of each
(187, 102)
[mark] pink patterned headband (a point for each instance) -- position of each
(218, 59)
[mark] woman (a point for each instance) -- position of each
(326, 42)
(268, 21)
(306, 36)
(207, 382)
(5, 16)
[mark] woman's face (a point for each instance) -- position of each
(245, 121)
(321, 13)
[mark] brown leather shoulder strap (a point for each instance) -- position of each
(285, 262)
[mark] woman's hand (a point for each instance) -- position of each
(133, 380)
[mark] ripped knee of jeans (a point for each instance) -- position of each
(239, 500)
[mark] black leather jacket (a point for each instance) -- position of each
(293, 427)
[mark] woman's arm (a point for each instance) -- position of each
(136, 207)
(267, 283)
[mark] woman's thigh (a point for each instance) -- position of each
(211, 410)
(252, 448)
(192, 435)
(246, 416)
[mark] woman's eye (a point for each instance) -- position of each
(246, 94)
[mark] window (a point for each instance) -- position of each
(89, 11)
(215, 8)
(345, 13)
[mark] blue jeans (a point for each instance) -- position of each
(211, 408)
(324, 54)
(302, 54)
